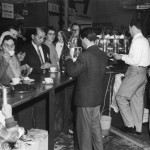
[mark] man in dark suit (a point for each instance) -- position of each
(89, 69)
(37, 54)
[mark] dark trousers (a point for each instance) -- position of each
(88, 128)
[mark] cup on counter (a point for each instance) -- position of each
(16, 81)
(53, 69)
(48, 80)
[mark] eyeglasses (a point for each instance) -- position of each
(9, 46)
(40, 37)
(52, 34)
(75, 30)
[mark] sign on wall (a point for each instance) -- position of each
(55, 8)
(7, 10)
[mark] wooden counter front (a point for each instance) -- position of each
(49, 107)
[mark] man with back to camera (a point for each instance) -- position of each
(37, 54)
(131, 92)
(89, 69)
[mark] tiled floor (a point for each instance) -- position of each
(65, 142)
(113, 142)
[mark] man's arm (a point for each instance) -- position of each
(3, 66)
(75, 68)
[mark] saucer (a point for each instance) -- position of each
(31, 80)
(28, 79)
(46, 82)
(11, 83)
(53, 71)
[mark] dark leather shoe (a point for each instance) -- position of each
(128, 129)
(137, 133)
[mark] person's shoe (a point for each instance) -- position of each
(128, 129)
(137, 133)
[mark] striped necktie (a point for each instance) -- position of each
(40, 56)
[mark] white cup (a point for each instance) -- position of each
(16, 80)
(48, 80)
(53, 69)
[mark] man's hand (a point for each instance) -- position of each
(7, 110)
(117, 56)
(46, 66)
(25, 70)
(68, 57)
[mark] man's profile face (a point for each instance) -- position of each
(39, 38)
(84, 42)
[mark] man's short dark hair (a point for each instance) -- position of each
(35, 30)
(136, 22)
(88, 33)
(75, 24)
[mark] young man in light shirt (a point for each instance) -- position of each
(131, 92)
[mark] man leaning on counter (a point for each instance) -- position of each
(37, 54)
(131, 92)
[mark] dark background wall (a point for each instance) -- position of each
(38, 14)
(115, 12)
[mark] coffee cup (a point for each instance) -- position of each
(16, 80)
(53, 69)
(48, 80)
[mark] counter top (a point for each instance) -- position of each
(59, 79)
(116, 67)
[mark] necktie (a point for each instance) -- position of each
(40, 56)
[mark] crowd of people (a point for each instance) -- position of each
(44, 51)
(46, 48)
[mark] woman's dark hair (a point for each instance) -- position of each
(50, 28)
(8, 37)
(63, 35)
(88, 33)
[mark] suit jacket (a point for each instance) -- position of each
(89, 69)
(32, 58)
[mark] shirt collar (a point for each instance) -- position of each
(90, 45)
(35, 46)
(137, 35)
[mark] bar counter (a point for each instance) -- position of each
(49, 107)
(59, 78)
